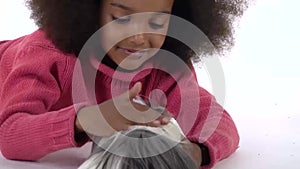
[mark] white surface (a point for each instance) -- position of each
(14, 19)
(64, 159)
(262, 87)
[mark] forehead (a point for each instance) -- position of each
(142, 5)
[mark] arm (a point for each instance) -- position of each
(203, 121)
(29, 129)
(216, 130)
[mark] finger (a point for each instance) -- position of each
(155, 123)
(135, 90)
(166, 113)
(145, 115)
(140, 107)
(164, 119)
(160, 121)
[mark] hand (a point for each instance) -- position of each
(118, 114)
(193, 150)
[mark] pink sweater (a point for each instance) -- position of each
(37, 109)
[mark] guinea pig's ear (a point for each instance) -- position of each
(141, 132)
(173, 131)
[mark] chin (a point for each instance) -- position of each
(130, 66)
(133, 64)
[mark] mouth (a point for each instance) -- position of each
(133, 53)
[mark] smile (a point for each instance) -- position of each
(132, 53)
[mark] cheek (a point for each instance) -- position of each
(157, 41)
(110, 36)
(110, 33)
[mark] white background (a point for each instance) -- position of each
(262, 77)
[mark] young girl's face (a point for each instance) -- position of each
(137, 32)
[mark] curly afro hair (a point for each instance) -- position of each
(70, 23)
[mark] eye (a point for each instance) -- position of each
(156, 26)
(120, 20)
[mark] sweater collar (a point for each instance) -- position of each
(129, 76)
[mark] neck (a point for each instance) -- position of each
(110, 63)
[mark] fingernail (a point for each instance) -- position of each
(156, 122)
(166, 119)
(130, 128)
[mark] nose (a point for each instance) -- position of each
(138, 39)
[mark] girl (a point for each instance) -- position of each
(46, 97)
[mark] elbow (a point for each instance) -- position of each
(13, 147)
(235, 137)
(11, 152)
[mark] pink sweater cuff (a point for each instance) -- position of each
(63, 131)
(30, 137)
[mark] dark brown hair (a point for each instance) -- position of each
(70, 23)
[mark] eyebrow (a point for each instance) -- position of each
(127, 8)
(121, 6)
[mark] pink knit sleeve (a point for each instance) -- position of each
(215, 129)
(28, 129)
(203, 120)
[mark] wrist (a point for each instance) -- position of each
(78, 128)
(205, 154)
(196, 153)
(79, 135)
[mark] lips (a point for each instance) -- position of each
(131, 50)
(136, 53)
